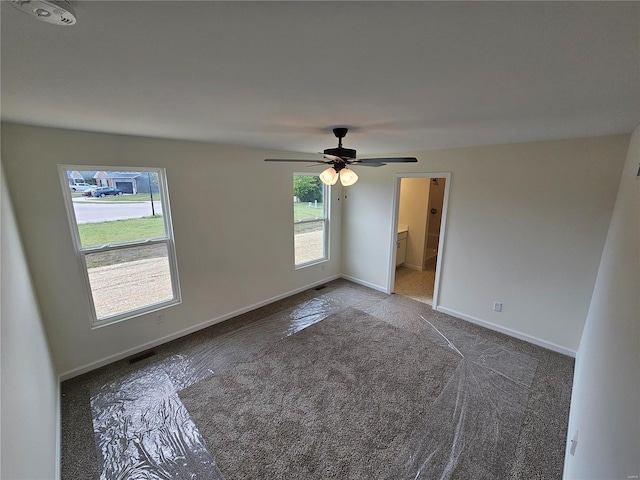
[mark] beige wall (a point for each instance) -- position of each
(412, 211)
(526, 226)
(605, 405)
(29, 385)
(233, 224)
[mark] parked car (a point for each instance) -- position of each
(81, 187)
(89, 193)
(104, 191)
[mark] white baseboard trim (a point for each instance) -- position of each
(510, 332)
(154, 343)
(364, 284)
(413, 267)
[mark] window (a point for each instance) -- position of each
(121, 229)
(310, 219)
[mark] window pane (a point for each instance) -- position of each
(129, 278)
(309, 241)
(309, 210)
(120, 231)
(116, 207)
(308, 192)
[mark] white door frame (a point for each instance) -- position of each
(443, 229)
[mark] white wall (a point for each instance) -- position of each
(29, 383)
(412, 211)
(232, 219)
(526, 227)
(605, 405)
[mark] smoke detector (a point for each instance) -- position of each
(56, 12)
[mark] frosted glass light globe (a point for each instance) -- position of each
(348, 177)
(329, 176)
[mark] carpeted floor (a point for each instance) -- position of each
(339, 401)
(415, 284)
(338, 382)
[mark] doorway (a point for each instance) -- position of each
(419, 220)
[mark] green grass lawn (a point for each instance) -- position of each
(119, 231)
(301, 211)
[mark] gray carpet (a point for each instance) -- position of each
(127, 420)
(354, 397)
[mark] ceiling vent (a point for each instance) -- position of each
(56, 12)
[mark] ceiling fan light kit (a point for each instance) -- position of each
(348, 177)
(329, 176)
(341, 158)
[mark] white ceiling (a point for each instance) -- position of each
(404, 75)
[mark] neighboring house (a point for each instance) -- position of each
(128, 182)
(80, 177)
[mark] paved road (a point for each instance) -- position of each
(101, 212)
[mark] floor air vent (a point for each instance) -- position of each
(141, 356)
(320, 287)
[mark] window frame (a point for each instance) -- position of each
(82, 252)
(326, 190)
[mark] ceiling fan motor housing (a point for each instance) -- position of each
(341, 152)
(344, 153)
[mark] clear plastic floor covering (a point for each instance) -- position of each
(142, 430)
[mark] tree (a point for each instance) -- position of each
(308, 188)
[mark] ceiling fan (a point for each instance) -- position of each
(341, 158)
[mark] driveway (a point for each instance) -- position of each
(102, 212)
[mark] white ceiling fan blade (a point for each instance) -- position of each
(333, 158)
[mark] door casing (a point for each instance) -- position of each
(443, 229)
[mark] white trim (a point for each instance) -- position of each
(364, 283)
(395, 205)
(507, 331)
(154, 343)
(412, 267)
(326, 212)
(58, 465)
(443, 229)
(82, 252)
(311, 263)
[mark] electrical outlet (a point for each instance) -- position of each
(160, 318)
(574, 443)
(497, 306)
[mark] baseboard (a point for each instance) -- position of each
(154, 343)
(413, 267)
(510, 332)
(363, 283)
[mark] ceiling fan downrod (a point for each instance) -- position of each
(340, 151)
(340, 133)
